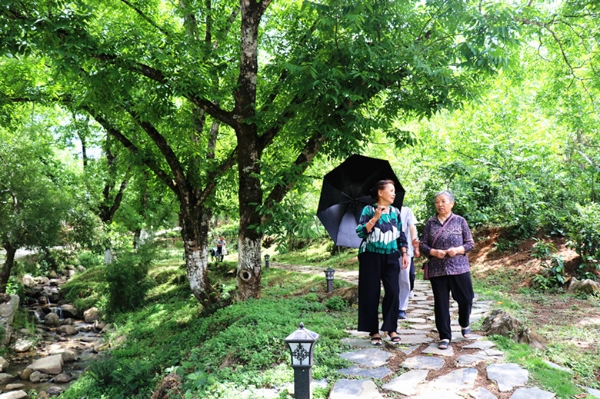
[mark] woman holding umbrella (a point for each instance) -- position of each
(380, 255)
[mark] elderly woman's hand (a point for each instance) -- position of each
(452, 252)
(438, 253)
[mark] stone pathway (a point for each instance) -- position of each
(471, 368)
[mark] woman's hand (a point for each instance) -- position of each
(452, 252)
(415, 244)
(405, 261)
(438, 253)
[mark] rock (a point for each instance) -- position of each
(91, 315)
(36, 376)
(69, 320)
(50, 365)
(99, 326)
(588, 287)
(52, 320)
(3, 364)
(68, 356)
(28, 281)
(69, 310)
(501, 323)
(7, 314)
(507, 376)
(81, 268)
(344, 389)
(26, 374)
(42, 280)
(348, 294)
(13, 387)
(66, 330)
(23, 345)
(532, 338)
(105, 329)
(15, 395)
(62, 378)
(4, 378)
(54, 391)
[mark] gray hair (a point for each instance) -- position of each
(446, 193)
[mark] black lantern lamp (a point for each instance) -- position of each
(267, 259)
(329, 276)
(302, 344)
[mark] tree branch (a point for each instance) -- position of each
(145, 17)
(302, 162)
(164, 148)
(148, 161)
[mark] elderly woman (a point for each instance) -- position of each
(446, 240)
(380, 256)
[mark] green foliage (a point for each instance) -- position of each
(235, 348)
(127, 280)
(14, 286)
(126, 378)
(335, 303)
(584, 234)
(89, 259)
(553, 274)
(542, 374)
(86, 289)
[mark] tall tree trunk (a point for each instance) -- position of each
(7, 267)
(194, 221)
(250, 191)
(249, 237)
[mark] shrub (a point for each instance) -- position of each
(553, 275)
(127, 279)
(584, 235)
(335, 303)
(89, 259)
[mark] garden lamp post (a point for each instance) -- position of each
(267, 259)
(302, 344)
(329, 276)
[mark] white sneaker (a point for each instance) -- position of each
(411, 295)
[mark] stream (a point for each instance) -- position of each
(58, 329)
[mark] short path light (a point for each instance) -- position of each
(302, 345)
(329, 276)
(267, 259)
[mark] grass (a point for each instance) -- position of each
(319, 254)
(236, 348)
(240, 347)
(551, 314)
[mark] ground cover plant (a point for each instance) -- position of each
(218, 354)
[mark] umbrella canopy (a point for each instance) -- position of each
(346, 190)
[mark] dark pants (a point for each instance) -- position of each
(461, 288)
(412, 274)
(373, 269)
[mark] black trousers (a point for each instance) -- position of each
(375, 269)
(461, 288)
(412, 273)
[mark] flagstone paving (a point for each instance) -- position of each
(417, 372)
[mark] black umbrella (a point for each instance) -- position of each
(346, 190)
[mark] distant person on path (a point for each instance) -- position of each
(446, 241)
(380, 255)
(407, 274)
(221, 250)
